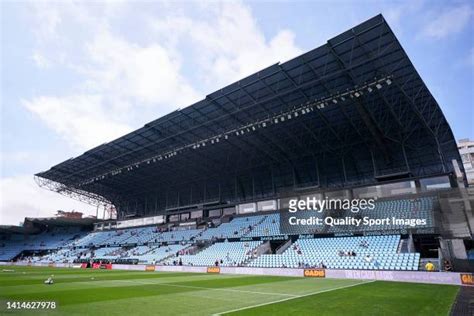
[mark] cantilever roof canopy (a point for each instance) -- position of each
(353, 111)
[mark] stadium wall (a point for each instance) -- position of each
(453, 278)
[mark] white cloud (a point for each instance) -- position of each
(80, 119)
(41, 61)
(228, 44)
(18, 156)
(448, 22)
(50, 18)
(394, 12)
(21, 197)
(149, 74)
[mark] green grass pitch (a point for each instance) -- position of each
(113, 292)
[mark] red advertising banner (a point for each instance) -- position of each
(107, 266)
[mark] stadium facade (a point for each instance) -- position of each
(353, 112)
(350, 119)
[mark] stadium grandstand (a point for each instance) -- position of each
(210, 184)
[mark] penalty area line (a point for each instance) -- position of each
(291, 298)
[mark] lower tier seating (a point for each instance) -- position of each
(374, 252)
(155, 254)
(225, 253)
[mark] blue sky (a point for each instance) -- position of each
(78, 74)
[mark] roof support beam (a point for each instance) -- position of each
(365, 115)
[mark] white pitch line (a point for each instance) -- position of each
(213, 288)
(291, 298)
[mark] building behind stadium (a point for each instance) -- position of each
(466, 149)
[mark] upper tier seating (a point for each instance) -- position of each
(177, 235)
(236, 228)
(58, 237)
(270, 226)
(421, 208)
(94, 239)
(146, 254)
(54, 239)
(138, 236)
(63, 255)
(10, 250)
